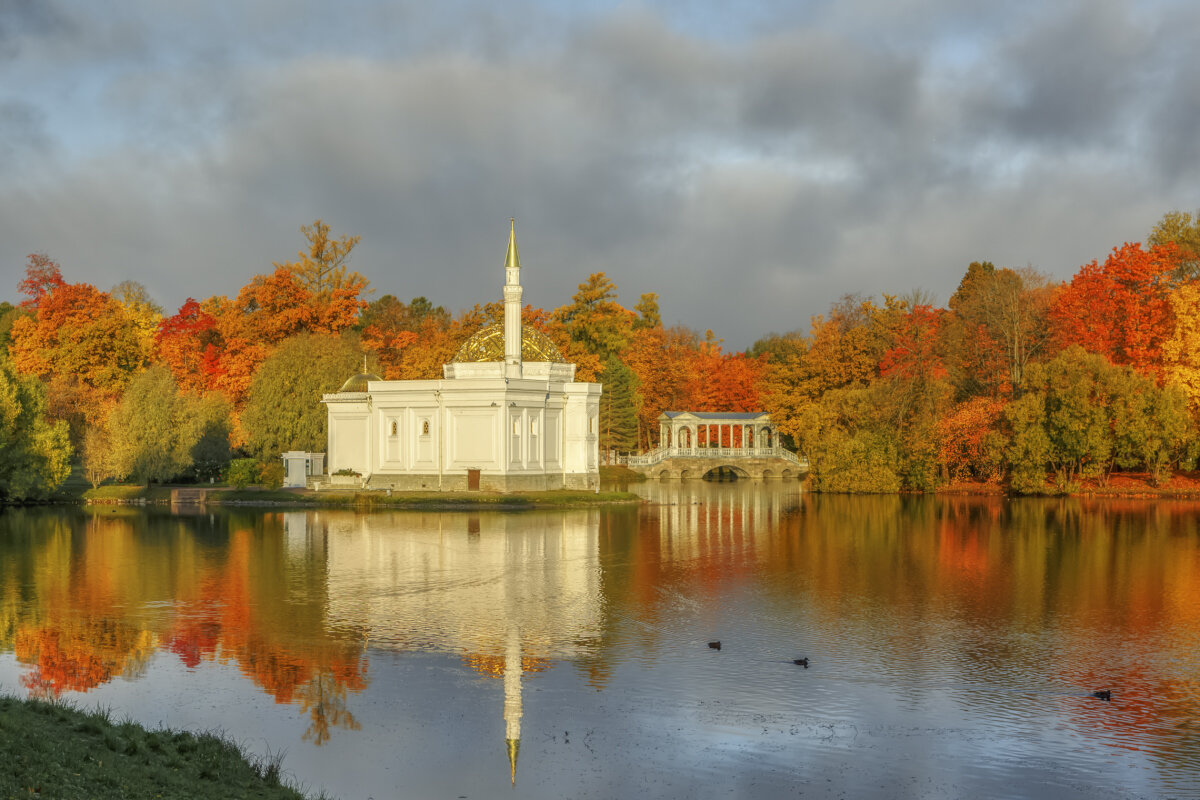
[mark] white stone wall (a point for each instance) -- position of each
(519, 433)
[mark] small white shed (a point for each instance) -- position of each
(298, 466)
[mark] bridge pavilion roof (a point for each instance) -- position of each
(717, 416)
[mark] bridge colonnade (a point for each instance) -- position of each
(693, 443)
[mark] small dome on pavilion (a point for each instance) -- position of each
(487, 344)
(358, 383)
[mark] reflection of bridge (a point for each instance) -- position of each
(695, 443)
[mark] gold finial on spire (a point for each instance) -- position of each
(513, 260)
(364, 362)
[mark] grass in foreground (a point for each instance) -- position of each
(53, 750)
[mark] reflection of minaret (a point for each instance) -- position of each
(512, 307)
(512, 700)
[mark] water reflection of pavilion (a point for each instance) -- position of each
(507, 592)
(690, 514)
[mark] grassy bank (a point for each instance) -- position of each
(53, 750)
(617, 474)
(343, 499)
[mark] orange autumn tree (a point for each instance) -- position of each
(723, 381)
(390, 327)
(1121, 308)
(661, 359)
(969, 442)
(79, 340)
(268, 310)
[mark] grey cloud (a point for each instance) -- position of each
(22, 19)
(23, 136)
(749, 180)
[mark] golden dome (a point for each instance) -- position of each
(358, 383)
(487, 344)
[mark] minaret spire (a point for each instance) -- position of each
(513, 261)
(512, 306)
(512, 700)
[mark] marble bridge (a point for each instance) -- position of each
(696, 443)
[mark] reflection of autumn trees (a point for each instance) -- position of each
(80, 654)
(1065, 596)
(231, 593)
(235, 612)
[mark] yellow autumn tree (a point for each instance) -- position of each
(321, 267)
(1181, 349)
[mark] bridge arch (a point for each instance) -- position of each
(716, 472)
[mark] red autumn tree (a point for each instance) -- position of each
(915, 346)
(183, 340)
(1120, 308)
(42, 276)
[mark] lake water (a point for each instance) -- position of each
(954, 644)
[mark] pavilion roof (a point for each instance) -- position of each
(715, 416)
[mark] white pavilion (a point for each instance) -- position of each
(508, 415)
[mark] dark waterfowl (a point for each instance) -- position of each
(715, 645)
(801, 662)
(1103, 694)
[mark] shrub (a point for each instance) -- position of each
(271, 474)
(242, 472)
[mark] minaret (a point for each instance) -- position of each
(512, 307)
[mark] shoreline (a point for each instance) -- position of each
(399, 501)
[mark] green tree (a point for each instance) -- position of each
(8, 315)
(1151, 428)
(647, 311)
(1082, 417)
(1028, 450)
(284, 410)
(1183, 230)
(1066, 421)
(209, 418)
(389, 313)
(151, 432)
(35, 454)
(996, 327)
(595, 319)
(851, 444)
(618, 407)
(97, 455)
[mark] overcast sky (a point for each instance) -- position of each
(750, 162)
